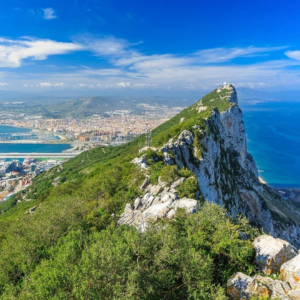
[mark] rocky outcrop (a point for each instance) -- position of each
(159, 201)
(241, 286)
(141, 162)
(216, 153)
(290, 272)
(272, 253)
(227, 174)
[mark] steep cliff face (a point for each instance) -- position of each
(216, 153)
(227, 174)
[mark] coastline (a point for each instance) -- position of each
(36, 142)
(261, 180)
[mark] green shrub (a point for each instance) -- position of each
(188, 188)
(191, 257)
(169, 174)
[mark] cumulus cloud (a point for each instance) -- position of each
(3, 83)
(49, 13)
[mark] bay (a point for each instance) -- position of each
(10, 129)
(30, 147)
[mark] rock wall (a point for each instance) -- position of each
(227, 173)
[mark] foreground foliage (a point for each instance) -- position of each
(189, 257)
(71, 247)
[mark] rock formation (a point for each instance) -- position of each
(158, 201)
(227, 175)
(272, 253)
(276, 255)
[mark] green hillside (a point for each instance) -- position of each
(72, 248)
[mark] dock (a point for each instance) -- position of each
(39, 155)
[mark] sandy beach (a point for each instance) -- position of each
(261, 180)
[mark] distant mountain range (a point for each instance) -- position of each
(83, 103)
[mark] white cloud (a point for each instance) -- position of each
(293, 54)
(107, 46)
(13, 52)
(49, 13)
(123, 84)
(3, 83)
(226, 54)
(48, 84)
(126, 67)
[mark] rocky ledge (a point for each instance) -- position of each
(279, 260)
(158, 201)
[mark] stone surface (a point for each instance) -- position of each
(271, 253)
(290, 272)
(156, 203)
(241, 286)
(227, 174)
(167, 159)
(278, 289)
(141, 162)
(144, 184)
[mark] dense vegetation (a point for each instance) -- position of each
(72, 248)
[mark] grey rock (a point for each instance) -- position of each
(243, 236)
(272, 253)
(156, 189)
(278, 288)
(141, 162)
(178, 182)
(137, 203)
(128, 208)
(241, 286)
(144, 184)
(167, 159)
(290, 272)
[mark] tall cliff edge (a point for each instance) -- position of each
(212, 144)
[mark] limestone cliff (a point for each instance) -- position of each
(217, 154)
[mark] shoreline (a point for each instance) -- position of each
(261, 180)
(36, 142)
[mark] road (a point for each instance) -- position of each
(38, 155)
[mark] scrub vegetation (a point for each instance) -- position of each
(72, 248)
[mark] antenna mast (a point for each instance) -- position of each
(148, 137)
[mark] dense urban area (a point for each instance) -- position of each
(83, 133)
(117, 125)
(16, 175)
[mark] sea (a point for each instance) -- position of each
(28, 148)
(273, 139)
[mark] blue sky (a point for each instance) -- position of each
(144, 45)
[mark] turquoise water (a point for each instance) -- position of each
(9, 129)
(28, 148)
(273, 139)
